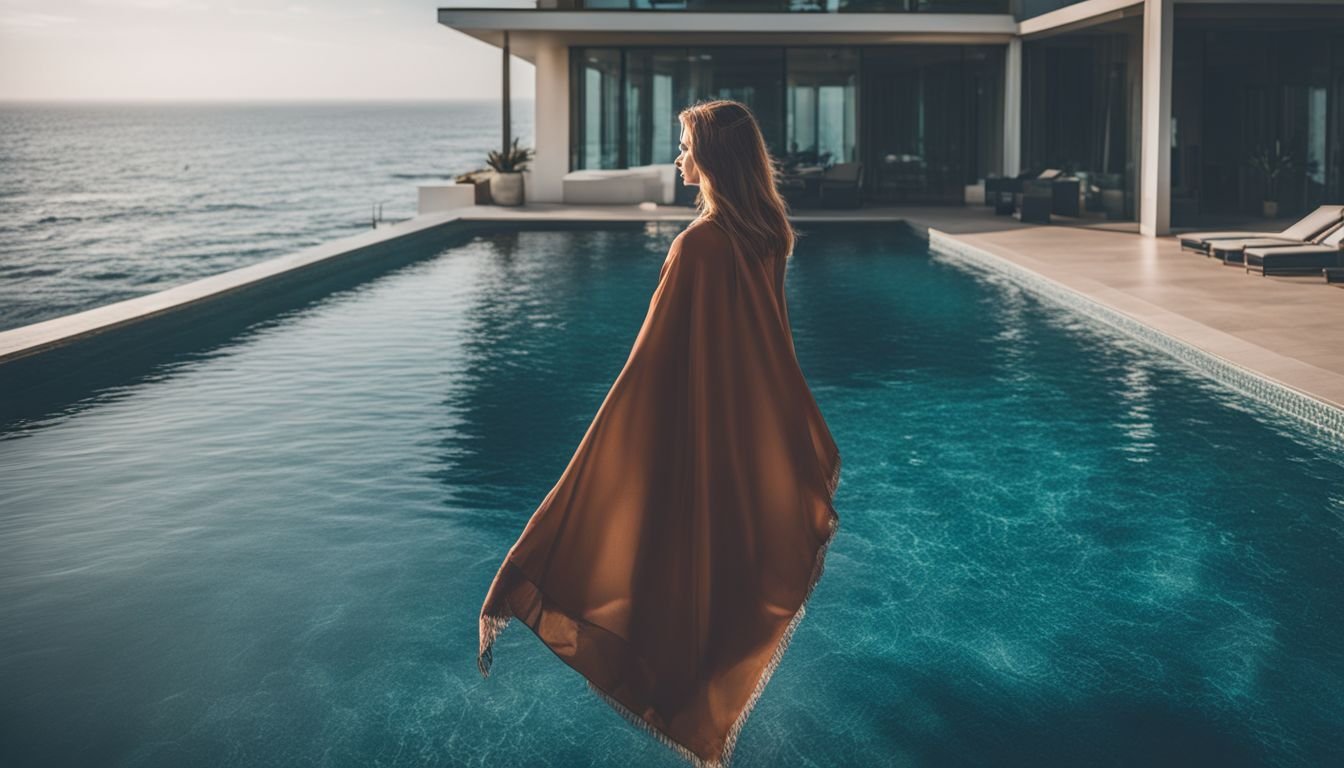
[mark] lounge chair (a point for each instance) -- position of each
(1303, 259)
(1307, 227)
(840, 185)
(1232, 252)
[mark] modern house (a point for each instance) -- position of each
(1172, 112)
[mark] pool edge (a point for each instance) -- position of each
(43, 336)
(1323, 417)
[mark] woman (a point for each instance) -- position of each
(671, 562)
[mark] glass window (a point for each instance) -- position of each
(609, 131)
(929, 124)
(598, 76)
(1079, 115)
(751, 75)
(822, 112)
(1244, 96)
(657, 86)
(983, 89)
(807, 6)
(930, 119)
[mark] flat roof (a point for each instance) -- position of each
(690, 28)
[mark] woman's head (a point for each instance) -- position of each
(724, 153)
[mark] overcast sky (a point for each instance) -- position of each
(243, 49)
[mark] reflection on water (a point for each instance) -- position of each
(1055, 547)
(1138, 424)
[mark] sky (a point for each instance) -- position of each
(226, 50)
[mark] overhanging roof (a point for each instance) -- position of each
(589, 27)
(690, 28)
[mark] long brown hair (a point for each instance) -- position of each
(738, 177)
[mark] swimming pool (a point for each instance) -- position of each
(1055, 547)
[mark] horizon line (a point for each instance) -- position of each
(250, 100)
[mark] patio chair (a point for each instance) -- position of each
(1066, 196)
(1298, 260)
(840, 186)
(1232, 252)
(1005, 193)
(1308, 226)
(999, 190)
(1033, 201)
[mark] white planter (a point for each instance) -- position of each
(507, 188)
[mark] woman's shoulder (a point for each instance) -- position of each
(706, 234)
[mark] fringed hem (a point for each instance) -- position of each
(652, 730)
(818, 567)
(730, 743)
(490, 628)
(833, 482)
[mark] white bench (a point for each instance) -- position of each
(621, 186)
(445, 197)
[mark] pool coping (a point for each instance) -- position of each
(36, 338)
(1176, 338)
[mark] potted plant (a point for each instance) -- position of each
(1271, 165)
(506, 185)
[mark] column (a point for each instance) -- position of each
(551, 122)
(1012, 108)
(1155, 148)
(507, 121)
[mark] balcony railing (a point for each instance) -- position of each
(742, 6)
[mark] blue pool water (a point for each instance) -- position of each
(1056, 548)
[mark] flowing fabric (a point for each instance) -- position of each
(673, 559)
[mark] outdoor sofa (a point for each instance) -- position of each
(621, 186)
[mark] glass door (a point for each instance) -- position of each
(914, 133)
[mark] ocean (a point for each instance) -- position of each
(105, 202)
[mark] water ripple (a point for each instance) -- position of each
(276, 548)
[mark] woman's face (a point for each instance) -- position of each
(690, 174)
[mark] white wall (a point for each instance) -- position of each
(552, 121)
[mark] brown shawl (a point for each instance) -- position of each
(672, 560)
